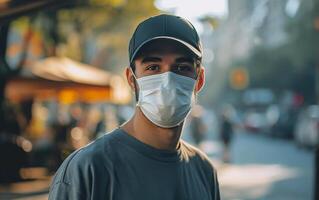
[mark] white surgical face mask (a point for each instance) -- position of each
(166, 99)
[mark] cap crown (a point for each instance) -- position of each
(168, 27)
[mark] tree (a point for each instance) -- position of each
(292, 64)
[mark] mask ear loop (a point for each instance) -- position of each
(135, 86)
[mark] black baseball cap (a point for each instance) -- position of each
(165, 26)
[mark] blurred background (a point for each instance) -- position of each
(62, 86)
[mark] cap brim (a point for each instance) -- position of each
(189, 46)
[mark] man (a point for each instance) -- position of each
(145, 159)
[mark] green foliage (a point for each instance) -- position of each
(104, 25)
(291, 65)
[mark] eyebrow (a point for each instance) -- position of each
(151, 59)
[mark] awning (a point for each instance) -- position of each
(68, 81)
(65, 69)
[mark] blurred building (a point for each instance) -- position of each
(252, 25)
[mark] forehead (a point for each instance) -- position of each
(164, 46)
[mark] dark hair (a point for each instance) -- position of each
(133, 66)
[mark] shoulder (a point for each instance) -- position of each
(196, 156)
(88, 160)
(90, 165)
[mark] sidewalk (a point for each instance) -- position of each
(263, 168)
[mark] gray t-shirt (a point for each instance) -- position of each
(119, 167)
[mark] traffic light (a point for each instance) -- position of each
(239, 78)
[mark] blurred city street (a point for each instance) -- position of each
(264, 168)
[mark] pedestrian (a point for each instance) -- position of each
(145, 158)
(226, 134)
(197, 126)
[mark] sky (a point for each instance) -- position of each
(194, 9)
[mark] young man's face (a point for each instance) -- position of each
(161, 56)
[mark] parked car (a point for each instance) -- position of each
(284, 126)
(258, 110)
(306, 132)
(287, 110)
(256, 120)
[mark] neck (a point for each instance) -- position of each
(147, 132)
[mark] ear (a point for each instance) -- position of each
(200, 80)
(130, 78)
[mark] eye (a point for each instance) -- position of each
(184, 68)
(152, 67)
